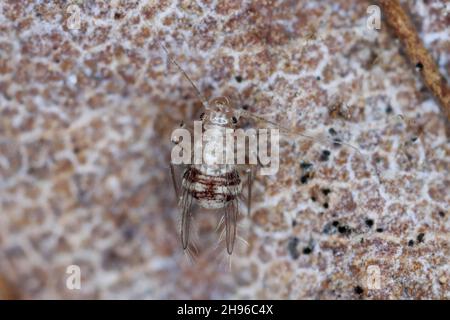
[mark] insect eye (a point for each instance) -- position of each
(202, 116)
(234, 120)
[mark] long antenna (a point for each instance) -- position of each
(296, 133)
(199, 94)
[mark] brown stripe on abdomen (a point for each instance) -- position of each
(214, 189)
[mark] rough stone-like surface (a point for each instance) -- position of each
(85, 122)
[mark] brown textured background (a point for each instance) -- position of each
(85, 122)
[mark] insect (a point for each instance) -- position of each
(212, 186)
(219, 186)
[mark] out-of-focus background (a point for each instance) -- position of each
(87, 104)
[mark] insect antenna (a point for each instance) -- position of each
(199, 94)
(297, 133)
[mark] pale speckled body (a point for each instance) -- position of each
(213, 184)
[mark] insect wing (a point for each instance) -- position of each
(231, 213)
(186, 215)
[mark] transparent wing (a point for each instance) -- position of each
(186, 215)
(231, 214)
(251, 172)
(174, 181)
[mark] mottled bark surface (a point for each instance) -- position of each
(85, 123)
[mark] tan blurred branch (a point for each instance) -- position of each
(6, 290)
(402, 26)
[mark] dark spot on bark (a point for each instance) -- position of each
(294, 223)
(325, 155)
(389, 109)
(307, 250)
(379, 230)
(344, 230)
(304, 179)
(410, 243)
(245, 107)
(292, 248)
(420, 237)
(413, 139)
(326, 191)
(441, 214)
(335, 223)
(238, 79)
(359, 290)
(369, 223)
(419, 65)
(318, 78)
(128, 233)
(327, 228)
(326, 205)
(332, 131)
(111, 260)
(313, 199)
(305, 165)
(118, 16)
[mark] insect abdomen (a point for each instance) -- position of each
(212, 191)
